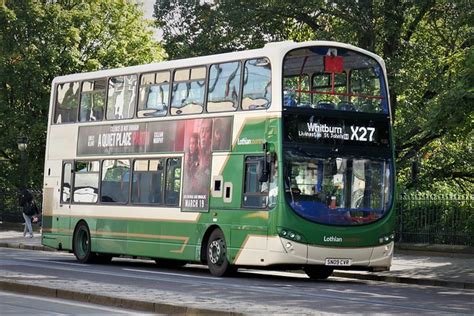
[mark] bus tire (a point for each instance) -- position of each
(216, 251)
(82, 244)
(318, 272)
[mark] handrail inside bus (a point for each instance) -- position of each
(338, 94)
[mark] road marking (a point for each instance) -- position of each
(456, 293)
(52, 261)
(177, 274)
(374, 295)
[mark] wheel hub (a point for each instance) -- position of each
(83, 243)
(216, 252)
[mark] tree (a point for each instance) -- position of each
(426, 44)
(40, 40)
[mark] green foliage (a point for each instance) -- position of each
(40, 40)
(426, 44)
(436, 106)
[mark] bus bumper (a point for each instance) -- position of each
(281, 251)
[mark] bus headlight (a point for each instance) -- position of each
(386, 238)
(289, 234)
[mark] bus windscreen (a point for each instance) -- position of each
(338, 190)
(333, 79)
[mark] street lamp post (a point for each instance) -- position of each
(22, 143)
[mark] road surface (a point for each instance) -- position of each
(251, 292)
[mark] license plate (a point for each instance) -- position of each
(338, 262)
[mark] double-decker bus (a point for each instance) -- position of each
(280, 157)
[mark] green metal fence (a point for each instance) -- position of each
(436, 219)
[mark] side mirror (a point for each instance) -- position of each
(333, 166)
(270, 158)
(262, 171)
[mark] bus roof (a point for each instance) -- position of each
(271, 50)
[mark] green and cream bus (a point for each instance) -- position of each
(280, 157)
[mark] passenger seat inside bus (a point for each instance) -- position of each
(112, 191)
(326, 105)
(288, 100)
(346, 106)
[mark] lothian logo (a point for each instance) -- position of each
(332, 239)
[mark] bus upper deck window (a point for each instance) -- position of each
(154, 94)
(296, 91)
(122, 97)
(92, 100)
(188, 91)
(365, 84)
(341, 79)
(329, 90)
(224, 87)
(67, 101)
(257, 92)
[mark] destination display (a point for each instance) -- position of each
(314, 129)
(196, 138)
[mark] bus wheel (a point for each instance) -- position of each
(318, 272)
(82, 244)
(217, 255)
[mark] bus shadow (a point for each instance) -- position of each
(293, 276)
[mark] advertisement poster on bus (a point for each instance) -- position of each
(131, 138)
(197, 138)
(201, 138)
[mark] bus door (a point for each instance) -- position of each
(241, 199)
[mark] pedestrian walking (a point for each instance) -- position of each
(29, 210)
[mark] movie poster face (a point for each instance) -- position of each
(197, 138)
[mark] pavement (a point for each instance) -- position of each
(428, 265)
